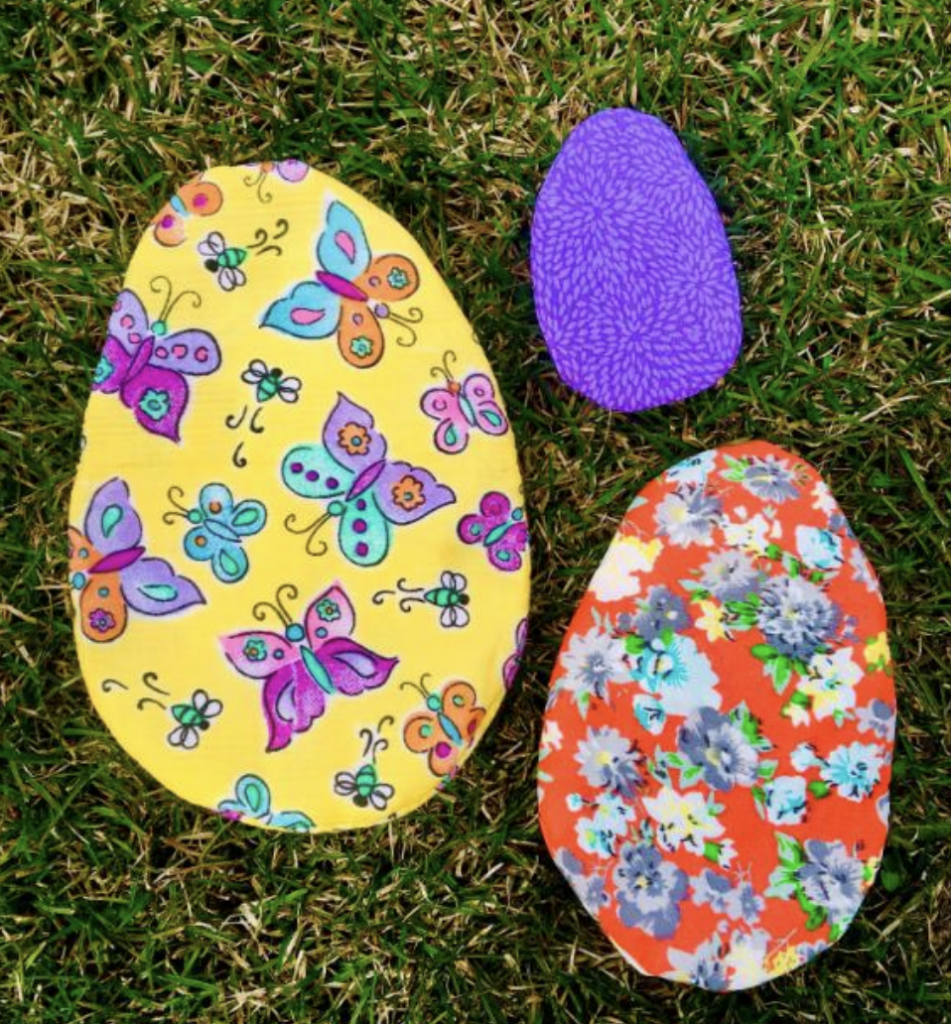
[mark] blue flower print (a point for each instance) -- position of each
(662, 610)
(610, 761)
(796, 617)
(878, 717)
(688, 516)
(739, 902)
(649, 890)
(832, 879)
(588, 888)
(715, 744)
(854, 770)
(786, 800)
(770, 478)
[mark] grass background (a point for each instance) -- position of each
(823, 129)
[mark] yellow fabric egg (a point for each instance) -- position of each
(298, 554)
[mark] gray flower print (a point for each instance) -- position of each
(796, 617)
(649, 890)
(718, 746)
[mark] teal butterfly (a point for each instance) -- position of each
(252, 799)
(367, 493)
(220, 525)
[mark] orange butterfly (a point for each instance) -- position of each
(352, 294)
(196, 199)
(111, 572)
(447, 728)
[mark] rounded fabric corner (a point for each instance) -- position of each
(635, 290)
(716, 754)
(298, 555)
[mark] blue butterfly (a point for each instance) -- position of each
(360, 486)
(219, 527)
(253, 800)
(352, 293)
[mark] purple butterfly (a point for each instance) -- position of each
(146, 366)
(109, 568)
(292, 171)
(308, 665)
(514, 661)
(500, 528)
(368, 493)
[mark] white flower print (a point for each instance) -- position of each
(862, 570)
(819, 549)
(831, 683)
(786, 800)
(551, 736)
(593, 660)
(693, 470)
(679, 674)
(683, 819)
(803, 757)
(753, 536)
(822, 498)
(702, 967)
(745, 962)
(617, 577)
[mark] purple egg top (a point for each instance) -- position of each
(635, 290)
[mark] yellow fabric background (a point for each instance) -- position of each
(184, 649)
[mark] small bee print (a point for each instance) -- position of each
(193, 719)
(449, 596)
(270, 382)
(223, 260)
(364, 786)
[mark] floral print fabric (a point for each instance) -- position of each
(716, 754)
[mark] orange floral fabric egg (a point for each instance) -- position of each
(716, 755)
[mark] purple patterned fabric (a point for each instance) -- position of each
(635, 290)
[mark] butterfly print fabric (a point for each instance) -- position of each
(282, 508)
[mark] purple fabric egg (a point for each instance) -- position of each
(635, 289)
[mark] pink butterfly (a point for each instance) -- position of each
(461, 408)
(514, 661)
(311, 663)
(147, 367)
(500, 528)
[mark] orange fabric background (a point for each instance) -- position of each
(741, 678)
